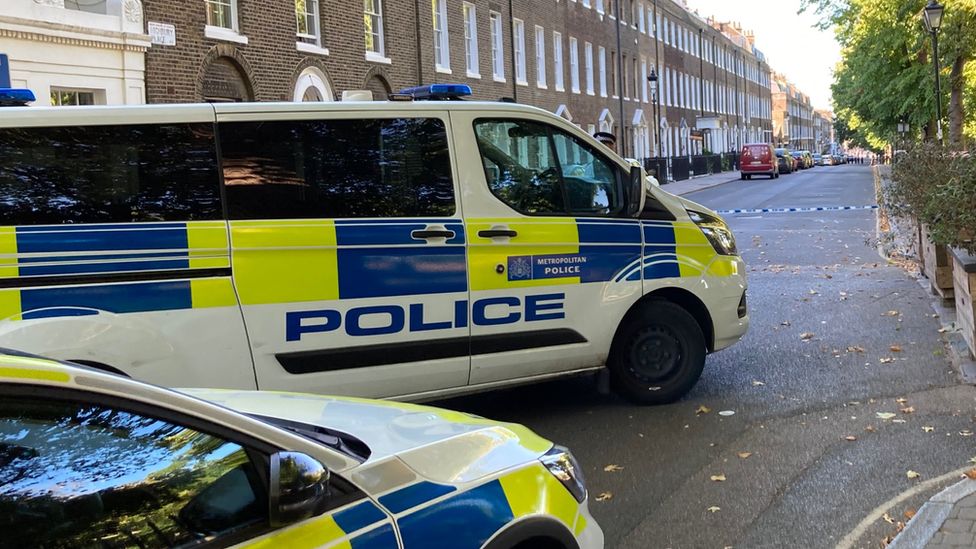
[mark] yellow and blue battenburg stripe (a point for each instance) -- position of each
(74, 270)
(361, 525)
(467, 519)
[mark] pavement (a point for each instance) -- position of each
(700, 183)
(840, 389)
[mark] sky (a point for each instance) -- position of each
(791, 43)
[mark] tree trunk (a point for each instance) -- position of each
(957, 115)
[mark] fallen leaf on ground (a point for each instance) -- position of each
(807, 335)
(965, 433)
(613, 468)
(757, 383)
(744, 455)
(912, 474)
(604, 496)
(885, 415)
(702, 410)
(901, 400)
(870, 428)
(971, 474)
(714, 509)
(908, 410)
(972, 460)
(928, 428)
(850, 438)
(786, 323)
(898, 421)
(855, 349)
(891, 313)
(895, 348)
(727, 413)
(814, 292)
(887, 360)
(718, 478)
(887, 518)
(909, 514)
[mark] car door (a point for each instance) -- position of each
(81, 470)
(348, 251)
(552, 263)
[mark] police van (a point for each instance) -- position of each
(397, 249)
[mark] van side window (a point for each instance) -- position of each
(337, 168)
(108, 174)
(539, 170)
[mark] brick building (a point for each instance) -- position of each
(793, 116)
(823, 130)
(589, 61)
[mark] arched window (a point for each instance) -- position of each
(312, 85)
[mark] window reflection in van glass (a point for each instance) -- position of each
(538, 170)
(337, 169)
(108, 174)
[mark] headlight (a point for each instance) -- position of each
(716, 231)
(564, 466)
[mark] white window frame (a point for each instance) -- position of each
(574, 79)
(442, 47)
(640, 22)
(667, 34)
(313, 13)
(497, 46)
(518, 30)
(602, 63)
(588, 63)
(645, 85)
(232, 5)
(540, 58)
(472, 64)
(559, 78)
(378, 55)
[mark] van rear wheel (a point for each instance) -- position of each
(658, 355)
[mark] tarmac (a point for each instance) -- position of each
(948, 519)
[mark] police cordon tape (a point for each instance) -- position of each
(796, 210)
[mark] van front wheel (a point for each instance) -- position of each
(658, 355)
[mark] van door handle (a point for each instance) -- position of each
(492, 233)
(426, 234)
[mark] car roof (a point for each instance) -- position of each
(206, 112)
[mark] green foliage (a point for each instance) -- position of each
(938, 187)
(886, 75)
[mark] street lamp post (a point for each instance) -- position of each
(932, 16)
(652, 79)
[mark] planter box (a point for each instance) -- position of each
(936, 266)
(964, 278)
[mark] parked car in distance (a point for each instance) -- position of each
(758, 159)
(784, 161)
(94, 459)
(818, 159)
(828, 160)
(801, 161)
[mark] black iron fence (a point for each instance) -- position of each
(680, 168)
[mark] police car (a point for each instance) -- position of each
(391, 249)
(89, 459)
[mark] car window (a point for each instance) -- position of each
(84, 475)
(537, 170)
(109, 174)
(347, 168)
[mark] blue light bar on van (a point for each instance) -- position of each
(438, 92)
(14, 97)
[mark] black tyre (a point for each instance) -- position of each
(658, 355)
(749, 177)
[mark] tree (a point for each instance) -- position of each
(885, 76)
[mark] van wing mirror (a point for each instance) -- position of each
(298, 488)
(635, 192)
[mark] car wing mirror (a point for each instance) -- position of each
(635, 191)
(298, 488)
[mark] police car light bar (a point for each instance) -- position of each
(438, 92)
(14, 97)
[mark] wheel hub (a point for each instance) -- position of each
(655, 355)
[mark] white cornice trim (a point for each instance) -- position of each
(40, 31)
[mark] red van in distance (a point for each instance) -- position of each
(758, 159)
